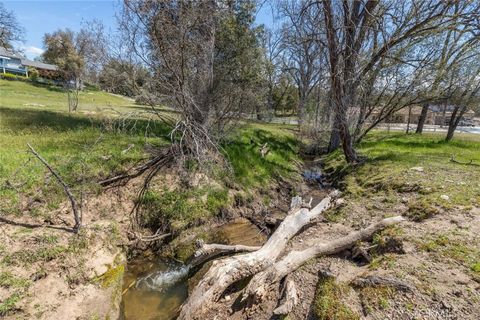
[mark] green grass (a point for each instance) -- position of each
(387, 170)
(86, 147)
(83, 148)
(250, 169)
(8, 280)
(9, 304)
(328, 304)
(17, 94)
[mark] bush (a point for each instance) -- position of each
(33, 74)
(12, 77)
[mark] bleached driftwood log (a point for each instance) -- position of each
(225, 272)
(261, 283)
(290, 298)
(264, 264)
(206, 252)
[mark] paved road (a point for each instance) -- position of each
(431, 128)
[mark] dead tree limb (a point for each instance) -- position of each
(206, 252)
(378, 281)
(290, 298)
(470, 163)
(227, 271)
(262, 282)
(77, 214)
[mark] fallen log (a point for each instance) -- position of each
(206, 252)
(227, 271)
(262, 282)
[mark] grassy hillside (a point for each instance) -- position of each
(93, 145)
(17, 94)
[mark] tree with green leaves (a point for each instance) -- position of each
(61, 51)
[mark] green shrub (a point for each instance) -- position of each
(33, 74)
(12, 77)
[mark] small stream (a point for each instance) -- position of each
(156, 288)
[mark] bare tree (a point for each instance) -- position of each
(302, 52)
(459, 43)
(10, 29)
(202, 64)
(354, 53)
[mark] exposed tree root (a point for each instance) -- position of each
(378, 281)
(162, 158)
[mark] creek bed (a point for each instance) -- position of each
(156, 288)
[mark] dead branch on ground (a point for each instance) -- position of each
(470, 163)
(77, 214)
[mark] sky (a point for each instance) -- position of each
(40, 16)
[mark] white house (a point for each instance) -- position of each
(11, 62)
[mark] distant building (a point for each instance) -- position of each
(11, 62)
(437, 114)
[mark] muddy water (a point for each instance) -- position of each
(155, 289)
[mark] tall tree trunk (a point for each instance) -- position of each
(334, 136)
(457, 114)
(408, 120)
(422, 118)
(301, 109)
(346, 138)
(443, 114)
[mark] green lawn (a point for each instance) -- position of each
(83, 145)
(17, 94)
(396, 164)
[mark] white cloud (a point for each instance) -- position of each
(31, 52)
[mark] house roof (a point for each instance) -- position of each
(39, 65)
(6, 53)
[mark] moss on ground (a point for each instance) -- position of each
(328, 304)
(376, 298)
(112, 277)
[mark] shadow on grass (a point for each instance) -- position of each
(49, 87)
(25, 119)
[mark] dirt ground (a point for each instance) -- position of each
(47, 272)
(432, 261)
